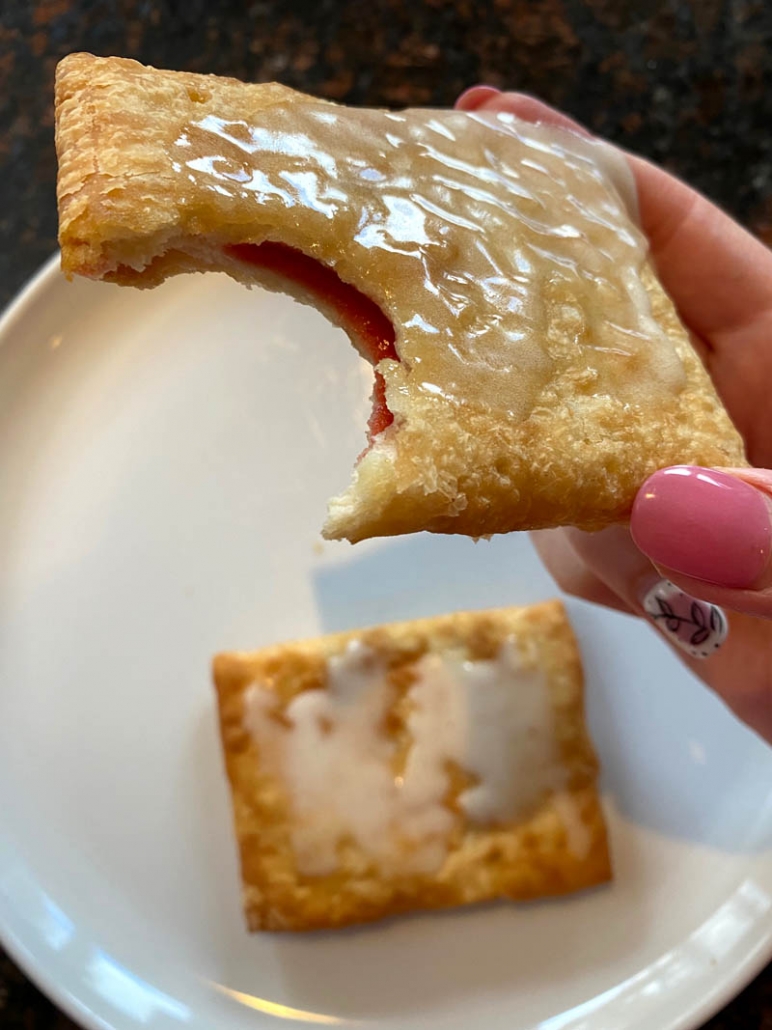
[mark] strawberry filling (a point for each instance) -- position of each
(363, 319)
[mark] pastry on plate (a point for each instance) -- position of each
(419, 765)
(530, 369)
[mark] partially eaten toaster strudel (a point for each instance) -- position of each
(530, 369)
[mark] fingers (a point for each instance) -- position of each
(731, 653)
(739, 669)
(570, 572)
(712, 531)
(611, 556)
(475, 96)
(529, 108)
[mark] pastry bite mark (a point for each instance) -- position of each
(410, 767)
(543, 373)
(369, 329)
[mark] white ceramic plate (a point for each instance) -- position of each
(164, 463)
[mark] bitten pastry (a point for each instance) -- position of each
(530, 370)
(419, 765)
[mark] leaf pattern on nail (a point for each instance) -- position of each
(695, 626)
(672, 621)
(717, 621)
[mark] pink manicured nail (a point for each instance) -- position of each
(704, 524)
(475, 97)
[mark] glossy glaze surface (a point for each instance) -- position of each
(495, 247)
(489, 719)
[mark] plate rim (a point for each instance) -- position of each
(16, 306)
(41, 974)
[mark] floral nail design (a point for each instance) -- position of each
(697, 627)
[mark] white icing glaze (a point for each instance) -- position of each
(494, 721)
(335, 759)
(491, 719)
(496, 247)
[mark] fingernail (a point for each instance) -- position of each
(704, 524)
(475, 97)
(697, 627)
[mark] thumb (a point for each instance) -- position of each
(710, 532)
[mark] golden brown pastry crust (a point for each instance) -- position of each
(529, 859)
(578, 457)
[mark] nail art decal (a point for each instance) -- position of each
(697, 627)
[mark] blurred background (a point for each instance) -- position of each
(687, 83)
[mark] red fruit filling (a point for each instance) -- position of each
(371, 330)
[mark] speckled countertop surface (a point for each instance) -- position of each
(686, 82)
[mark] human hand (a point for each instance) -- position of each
(707, 532)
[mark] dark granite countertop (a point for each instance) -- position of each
(686, 82)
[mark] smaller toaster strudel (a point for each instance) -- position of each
(418, 765)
